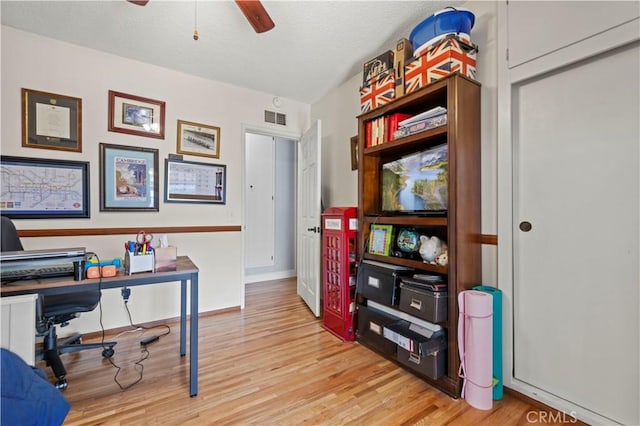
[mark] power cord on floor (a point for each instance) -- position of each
(144, 352)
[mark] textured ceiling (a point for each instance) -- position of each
(314, 47)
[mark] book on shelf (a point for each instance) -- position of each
(382, 129)
(421, 126)
(433, 112)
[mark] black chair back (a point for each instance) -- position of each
(9, 236)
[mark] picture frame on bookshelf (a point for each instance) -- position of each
(380, 239)
(354, 152)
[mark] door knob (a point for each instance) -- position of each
(314, 229)
(525, 226)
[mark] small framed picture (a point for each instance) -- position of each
(37, 188)
(354, 152)
(380, 239)
(136, 115)
(51, 121)
(128, 178)
(198, 139)
(192, 182)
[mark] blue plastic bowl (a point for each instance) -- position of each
(445, 21)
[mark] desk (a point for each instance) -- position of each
(186, 271)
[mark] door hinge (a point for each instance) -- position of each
(507, 54)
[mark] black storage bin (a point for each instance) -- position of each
(371, 323)
(380, 281)
(425, 353)
(432, 365)
(422, 302)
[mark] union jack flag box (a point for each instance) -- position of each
(449, 55)
(379, 92)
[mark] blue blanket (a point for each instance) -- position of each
(27, 396)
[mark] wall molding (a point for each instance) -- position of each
(74, 232)
(491, 239)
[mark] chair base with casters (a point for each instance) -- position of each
(52, 310)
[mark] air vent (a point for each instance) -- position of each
(275, 118)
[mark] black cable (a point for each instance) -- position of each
(144, 351)
(126, 306)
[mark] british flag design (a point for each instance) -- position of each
(448, 56)
(378, 93)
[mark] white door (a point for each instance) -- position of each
(576, 219)
(309, 212)
(259, 202)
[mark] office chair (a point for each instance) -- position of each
(52, 310)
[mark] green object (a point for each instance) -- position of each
(380, 238)
(497, 338)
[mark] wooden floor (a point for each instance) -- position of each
(272, 363)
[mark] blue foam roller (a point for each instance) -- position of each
(497, 337)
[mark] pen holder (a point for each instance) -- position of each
(135, 263)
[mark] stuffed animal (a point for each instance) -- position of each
(430, 248)
(443, 258)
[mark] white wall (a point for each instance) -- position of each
(34, 62)
(339, 109)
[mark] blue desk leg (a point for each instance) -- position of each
(193, 337)
(183, 317)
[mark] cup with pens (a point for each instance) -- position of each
(139, 254)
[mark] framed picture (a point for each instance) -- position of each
(136, 115)
(128, 178)
(354, 152)
(192, 182)
(380, 238)
(198, 139)
(51, 121)
(36, 188)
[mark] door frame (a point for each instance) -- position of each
(507, 78)
(264, 131)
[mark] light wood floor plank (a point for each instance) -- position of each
(271, 364)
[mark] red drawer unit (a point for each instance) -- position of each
(339, 226)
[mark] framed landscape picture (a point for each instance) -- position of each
(128, 178)
(36, 188)
(136, 115)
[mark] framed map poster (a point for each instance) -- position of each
(36, 188)
(128, 178)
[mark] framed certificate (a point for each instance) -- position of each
(51, 121)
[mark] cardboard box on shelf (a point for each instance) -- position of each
(377, 66)
(379, 92)
(449, 55)
(401, 54)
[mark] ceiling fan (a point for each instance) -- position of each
(253, 10)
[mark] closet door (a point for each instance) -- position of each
(576, 218)
(260, 215)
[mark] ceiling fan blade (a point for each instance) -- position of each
(256, 15)
(139, 2)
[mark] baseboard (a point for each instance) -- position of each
(555, 414)
(269, 276)
(151, 324)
